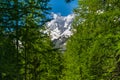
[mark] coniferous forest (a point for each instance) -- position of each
(92, 52)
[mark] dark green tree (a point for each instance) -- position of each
(41, 60)
(7, 44)
(7, 61)
(26, 53)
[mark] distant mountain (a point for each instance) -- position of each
(59, 29)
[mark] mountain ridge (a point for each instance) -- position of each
(60, 29)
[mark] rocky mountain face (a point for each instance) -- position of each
(60, 29)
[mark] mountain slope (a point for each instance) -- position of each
(60, 29)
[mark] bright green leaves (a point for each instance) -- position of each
(93, 51)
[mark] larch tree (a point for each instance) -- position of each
(26, 53)
(93, 51)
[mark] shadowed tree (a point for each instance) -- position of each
(26, 53)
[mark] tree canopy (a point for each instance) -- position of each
(26, 53)
(93, 51)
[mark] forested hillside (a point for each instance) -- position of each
(92, 52)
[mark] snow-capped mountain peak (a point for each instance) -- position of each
(59, 28)
(60, 25)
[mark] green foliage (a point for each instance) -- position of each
(93, 51)
(25, 52)
(41, 59)
(8, 64)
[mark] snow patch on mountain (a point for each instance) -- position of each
(60, 29)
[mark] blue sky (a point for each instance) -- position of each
(61, 7)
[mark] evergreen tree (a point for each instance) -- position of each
(7, 44)
(26, 53)
(7, 61)
(93, 51)
(41, 60)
